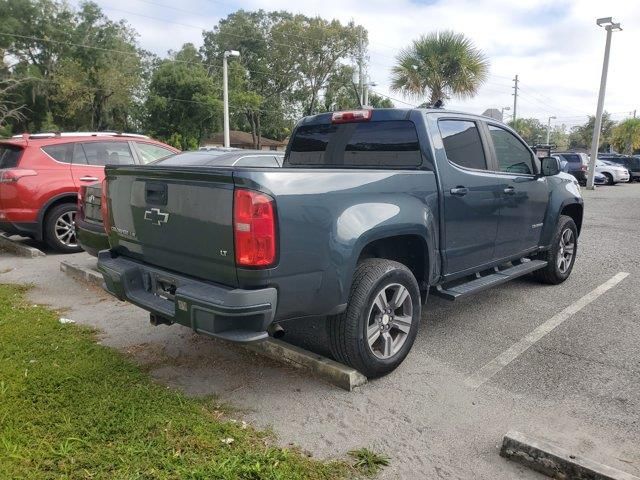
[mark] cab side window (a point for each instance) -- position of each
(462, 143)
(512, 155)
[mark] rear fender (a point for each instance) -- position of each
(367, 223)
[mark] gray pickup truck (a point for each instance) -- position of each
(371, 211)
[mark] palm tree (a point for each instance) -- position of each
(440, 65)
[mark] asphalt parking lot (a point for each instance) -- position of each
(576, 386)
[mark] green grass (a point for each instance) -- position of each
(368, 461)
(70, 408)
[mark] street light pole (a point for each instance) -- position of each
(502, 113)
(225, 92)
(368, 84)
(549, 128)
(610, 27)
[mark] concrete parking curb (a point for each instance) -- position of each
(329, 370)
(20, 249)
(555, 461)
(335, 373)
(81, 273)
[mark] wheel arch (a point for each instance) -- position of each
(67, 197)
(410, 248)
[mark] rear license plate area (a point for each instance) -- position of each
(164, 287)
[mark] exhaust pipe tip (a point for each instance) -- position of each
(276, 331)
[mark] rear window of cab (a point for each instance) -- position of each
(390, 144)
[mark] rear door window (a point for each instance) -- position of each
(511, 153)
(9, 156)
(462, 143)
(108, 153)
(390, 144)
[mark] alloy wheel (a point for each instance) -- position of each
(389, 320)
(65, 229)
(566, 250)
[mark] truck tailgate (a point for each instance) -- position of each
(177, 218)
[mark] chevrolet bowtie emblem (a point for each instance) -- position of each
(155, 216)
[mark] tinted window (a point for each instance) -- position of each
(61, 153)
(107, 153)
(9, 156)
(149, 152)
(462, 143)
(512, 155)
(258, 161)
(366, 144)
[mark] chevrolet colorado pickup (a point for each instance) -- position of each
(371, 210)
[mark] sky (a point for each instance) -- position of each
(555, 47)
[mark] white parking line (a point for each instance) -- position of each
(521, 346)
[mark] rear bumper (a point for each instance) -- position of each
(229, 313)
(26, 229)
(91, 237)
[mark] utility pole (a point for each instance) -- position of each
(549, 128)
(225, 92)
(361, 67)
(515, 98)
(610, 27)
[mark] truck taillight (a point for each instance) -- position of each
(14, 174)
(104, 206)
(351, 116)
(254, 227)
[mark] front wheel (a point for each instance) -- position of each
(609, 178)
(376, 331)
(562, 254)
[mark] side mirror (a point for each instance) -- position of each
(550, 166)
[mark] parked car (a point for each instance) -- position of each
(89, 226)
(577, 164)
(614, 172)
(598, 178)
(41, 174)
(372, 209)
(631, 163)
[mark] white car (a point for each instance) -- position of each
(614, 173)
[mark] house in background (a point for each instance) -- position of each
(238, 139)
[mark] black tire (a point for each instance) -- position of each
(51, 225)
(609, 178)
(553, 274)
(348, 331)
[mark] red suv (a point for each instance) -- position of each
(40, 176)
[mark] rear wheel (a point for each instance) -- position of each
(379, 326)
(562, 254)
(60, 228)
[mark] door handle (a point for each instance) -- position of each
(509, 190)
(459, 191)
(88, 179)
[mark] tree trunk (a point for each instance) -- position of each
(259, 131)
(253, 127)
